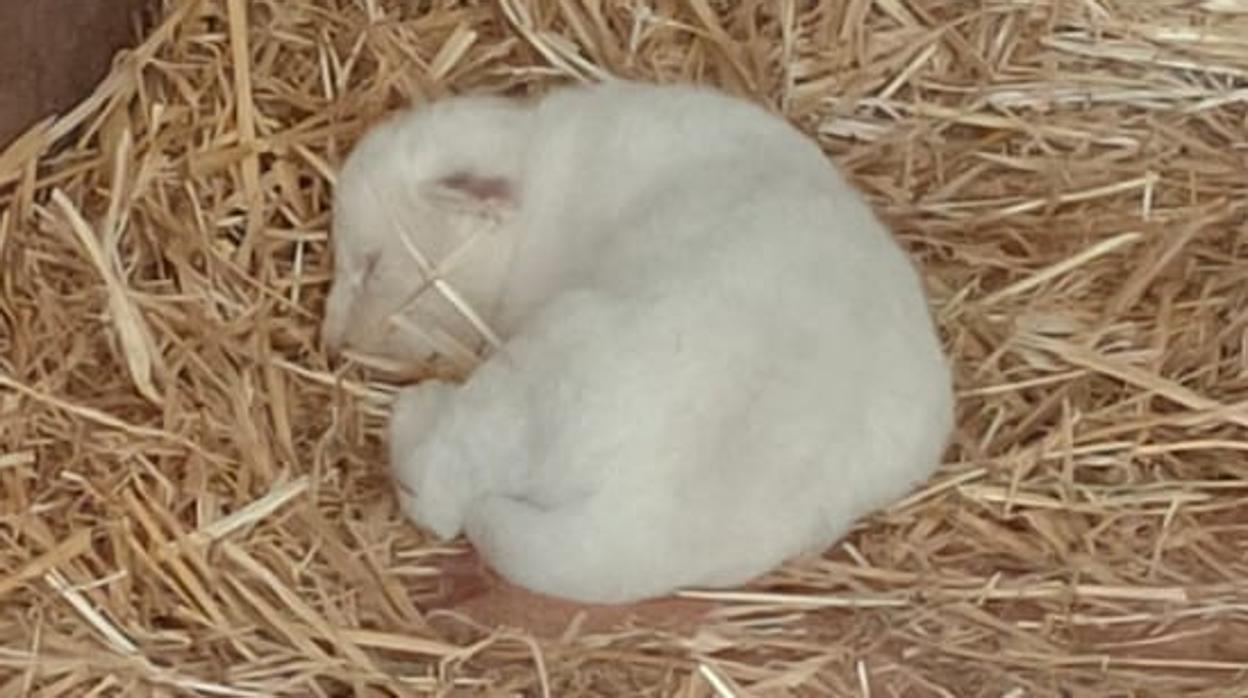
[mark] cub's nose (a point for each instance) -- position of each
(338, 319)
(333, 339)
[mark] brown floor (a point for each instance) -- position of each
(54, 53)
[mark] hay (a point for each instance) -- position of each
(193, 499)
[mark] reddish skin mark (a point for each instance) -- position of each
(478, 187)
(475, 591)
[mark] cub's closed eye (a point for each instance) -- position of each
(366, 271)
(404, 487)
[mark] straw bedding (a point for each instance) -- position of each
(193, 499)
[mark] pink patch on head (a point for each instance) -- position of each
(479, 187)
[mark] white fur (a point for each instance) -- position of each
(388, 188)
(716, 357)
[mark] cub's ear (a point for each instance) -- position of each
(475, 193)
